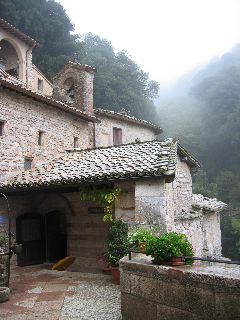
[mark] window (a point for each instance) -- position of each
(75, 142)
(27, 164)
(41, 138)
(117, 136)
(40, 85)
(2, 123)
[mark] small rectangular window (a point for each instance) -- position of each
(41, 138)
(117, 136)
(2, 123)
(40, 85)
(27, 164)
(75, 143)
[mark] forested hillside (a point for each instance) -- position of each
(119, 83)
(205, 115)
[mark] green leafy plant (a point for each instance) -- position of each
(102, 197)
(3, 241)
(139, 236)
(117, 242)
(169, 245)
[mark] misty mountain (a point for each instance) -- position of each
(202, 109)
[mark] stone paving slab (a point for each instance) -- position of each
(41, 294)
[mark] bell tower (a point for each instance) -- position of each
(74, 85)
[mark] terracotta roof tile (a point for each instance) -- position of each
(19, 86)
(17, 33)
(127, 117)
(146, 159)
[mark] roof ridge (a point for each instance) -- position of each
(127, 117)
(18, 33)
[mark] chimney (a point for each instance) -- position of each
(74, 86)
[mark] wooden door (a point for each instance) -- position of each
(30, 232)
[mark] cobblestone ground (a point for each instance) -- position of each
(38, 293)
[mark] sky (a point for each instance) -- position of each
(166, 38)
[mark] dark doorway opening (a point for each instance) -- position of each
(44, 238)
(56, 236)
(30, 232)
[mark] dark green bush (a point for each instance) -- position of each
(117, 242)
(169, 245)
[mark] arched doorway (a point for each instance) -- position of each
(44, 238)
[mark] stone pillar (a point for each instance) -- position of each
(150, 203)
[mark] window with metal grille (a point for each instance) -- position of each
(117, 136)
(27, 164)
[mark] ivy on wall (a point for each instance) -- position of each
(102, 197)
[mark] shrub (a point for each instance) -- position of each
(117, 242)
(169, 245)
(139, 236)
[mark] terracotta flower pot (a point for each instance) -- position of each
(173, 261)
(115, 275)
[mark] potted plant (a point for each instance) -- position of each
(117, 246)
(167, 248)
(138, 237)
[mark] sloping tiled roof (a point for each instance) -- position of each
(146, 159)
(127, 117)
(13, 83)
(17, 33)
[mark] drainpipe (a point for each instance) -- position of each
(94, 135)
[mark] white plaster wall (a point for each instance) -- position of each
(130, 131)
(125, 204)
(212, 234)
(150, 203)
(23, 118)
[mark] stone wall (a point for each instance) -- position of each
(125, 204)
(47, 88)
(130, 131)
(24, 118)
(78, 80)
(86, 232)
(153, 292)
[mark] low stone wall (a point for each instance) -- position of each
(152, 292)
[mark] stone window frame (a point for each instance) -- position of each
(41, 138)
(40, 85)
(28, 163)
(2, 125)
(117, 136)
(75, 142)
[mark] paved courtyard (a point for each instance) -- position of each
(39, 293)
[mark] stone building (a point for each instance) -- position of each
(54, 143)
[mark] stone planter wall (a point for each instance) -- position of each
(152, 292)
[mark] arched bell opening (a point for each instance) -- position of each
(9, 58)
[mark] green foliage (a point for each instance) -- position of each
(117, 242)
(102, 197)
(46, 22)
(138, 236)
(169, 245)
(236, 228)
(119, 83)
(3, 241)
